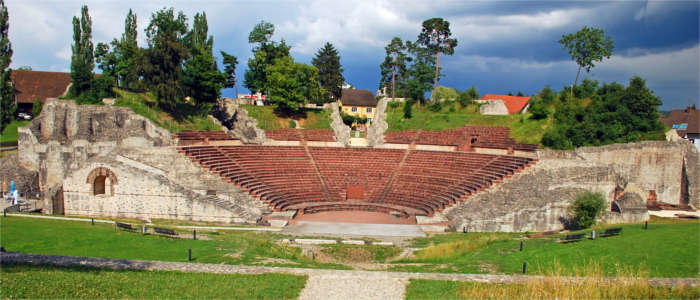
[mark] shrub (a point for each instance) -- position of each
(435, 106)
(394, 104)
(408, 109)
(585, 209)
(36, 107)
(347, 119)
(292, 124)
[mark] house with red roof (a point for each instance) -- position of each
(32, 85)
(503, 104)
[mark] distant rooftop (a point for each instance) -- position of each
(30, 85)
(515, 104)
(358, 98)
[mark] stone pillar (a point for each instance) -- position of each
(375, 133)
(342, 131)
(48, 115)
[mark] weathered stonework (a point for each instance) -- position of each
(148, 178)
(375, 132)
(236, 119)
(537, 198)
(342, 131)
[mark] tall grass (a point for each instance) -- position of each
(449, 250)
(588, 282)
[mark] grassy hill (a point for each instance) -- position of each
(452, 115)
(269, 118)
(144, 104)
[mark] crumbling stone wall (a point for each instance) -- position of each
(537, 198)
(236, 119)
(342, 131)
(138, 193)
(68, 140)
(375, 132)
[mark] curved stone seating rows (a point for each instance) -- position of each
(370, 168)
(286, 178)
(289, 134)
(192, 135)
(432, 180)
(477, 136)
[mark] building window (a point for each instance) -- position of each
(683, 126)
(354, 109)
(98, 187)
(675, 126)
(369, 109)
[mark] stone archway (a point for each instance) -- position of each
(102, 181)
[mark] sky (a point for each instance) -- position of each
(503, 46)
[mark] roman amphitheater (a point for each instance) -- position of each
(108, 161)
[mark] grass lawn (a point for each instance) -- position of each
(545, 289)
(452, 115)
(59, 237)
(309, 118)
(33, 282)
(9, 135)
(144, 104)
(664, 250)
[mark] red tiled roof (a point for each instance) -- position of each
(30, 85)
(515, 104)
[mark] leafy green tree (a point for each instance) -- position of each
(166, 53)
(8, 105)
(330, 72)
(394, 64)
(261, 33)
(520, 94)
(201, 78)
(435, 36)
(547, 95)
(230, 63)
(538, 108)
(585, 209)
(130, 58)
(106, 59)
(420, 77)
(264, 54)
(466, 97)
(587, 46)
(82, 60)
(291, 84)
(408, 108)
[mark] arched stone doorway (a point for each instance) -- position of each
(102, 181)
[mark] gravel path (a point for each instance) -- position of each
(322, 284)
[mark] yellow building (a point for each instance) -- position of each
(358, 103)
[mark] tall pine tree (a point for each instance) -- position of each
(8, 106)
(128, 55)
(82, 60)
(201, 77)
(330, 72)
(166, 52)
(230, 63)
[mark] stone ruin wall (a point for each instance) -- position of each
(66, 140)
(537, 198)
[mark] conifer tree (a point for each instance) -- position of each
(82, 60)
(8, 106)
(330, 72)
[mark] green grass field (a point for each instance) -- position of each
(665, 250)
(59, 237)
(46, 282)
(269, 119)
(452, 115)
(9, 135)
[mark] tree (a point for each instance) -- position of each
(128, 55)
(82, 60)
(420, 78)
(446, 93)
(201, 78)
(466, 97)
(585, 209)
(587, 46)
(330, 72)
(395, 63)
(230, 63)
(166, 54)
(261, 33)
(290, 84)
(435, 36)
(36, 107)
(8, 106)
